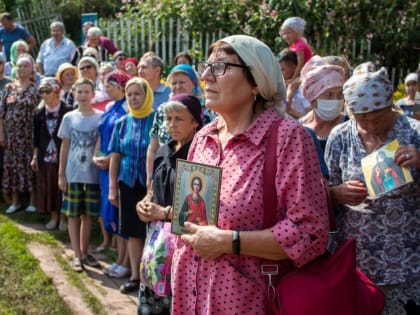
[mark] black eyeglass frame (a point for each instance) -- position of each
(203, 65)
(86, 67)
(45, 91)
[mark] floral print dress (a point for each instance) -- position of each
(17, 109)
(386, 228)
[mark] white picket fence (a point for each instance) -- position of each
(135, 36)
(165, 38)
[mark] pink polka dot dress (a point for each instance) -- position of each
(234, 284)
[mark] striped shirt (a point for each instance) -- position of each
(130, 138)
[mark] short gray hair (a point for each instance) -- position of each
(94, 31)
(155, 61)
(173, 106)
(58, 24)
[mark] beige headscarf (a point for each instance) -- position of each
(368, 90)
(264, 68)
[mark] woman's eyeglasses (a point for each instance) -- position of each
(217, 68)
(45, 92)
(86, 67)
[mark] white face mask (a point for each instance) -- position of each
(329, 109)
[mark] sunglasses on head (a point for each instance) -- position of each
(45, 91)
(86, 67)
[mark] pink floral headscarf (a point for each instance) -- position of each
(318, 76)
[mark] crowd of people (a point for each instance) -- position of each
(89, 133)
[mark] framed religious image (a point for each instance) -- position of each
(196, 195)
(381, 173)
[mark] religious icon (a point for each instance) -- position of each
(196, 196)
(381, 173)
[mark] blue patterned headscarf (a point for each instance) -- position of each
(190, 72)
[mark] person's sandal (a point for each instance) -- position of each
(120, 272)
(91, 261)
(109, 269)
(52, 225)
(130, 286)
(77, 265)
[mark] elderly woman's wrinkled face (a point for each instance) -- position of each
(131, 69)
(49, 96)
(230, 92)
(372, 122)
(114, 91)
(181, 83)
(335, 93)
(24, 68)
(88, 70)
(93, 40)
(181, 125)
(68, 77)
(103, 71)
(21, 49)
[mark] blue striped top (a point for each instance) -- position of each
(130, 138)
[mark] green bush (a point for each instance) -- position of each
(390, 25)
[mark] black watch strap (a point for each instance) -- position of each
(236, 243)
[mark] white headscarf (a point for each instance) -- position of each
(368, 90)
(263, 66)
(295, 23)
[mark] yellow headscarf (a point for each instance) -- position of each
(147, 107)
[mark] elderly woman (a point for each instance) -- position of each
(386, 227)
(411, 83)
(93, 36)
(46, 150)
(127, 170)
(182, 79)
(89, 68)
(211, 274)
(19, 101)
(183, 119)
(115, 84)
(67, 74)
(18, 47)
(322, 86)
(130, 66)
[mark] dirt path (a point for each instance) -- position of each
(105, 289)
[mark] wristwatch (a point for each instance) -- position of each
(236, 243)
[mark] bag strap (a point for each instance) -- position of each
(270, 168)
(269, 187)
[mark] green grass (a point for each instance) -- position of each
(24, 288)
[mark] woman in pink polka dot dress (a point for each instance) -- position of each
(217, 269)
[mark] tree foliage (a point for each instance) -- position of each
(390, 25)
